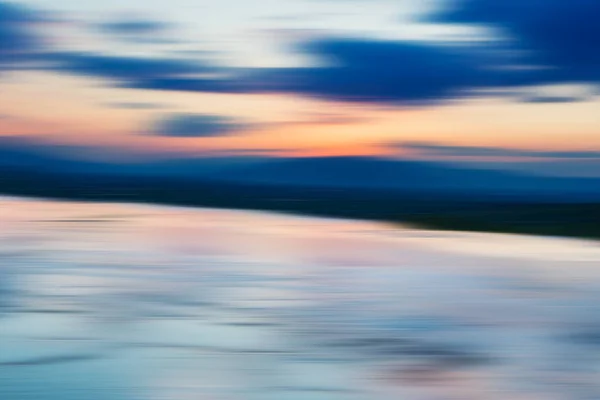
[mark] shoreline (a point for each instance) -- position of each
(575, 220)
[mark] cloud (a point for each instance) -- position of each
(350, 69)
(126, 68)
(214, 84)
(134, 26)
(196, 125)
(552, 99)
(133, 105)
(367, 70)
(433, 149)
(137, 29)
(561, 37)
(17, 34)
(20, 41)
(153, 73)
(537, 42)
(544, 42)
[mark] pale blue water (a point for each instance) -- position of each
(138, 302)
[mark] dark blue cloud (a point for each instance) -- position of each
(351, 70)
(158, 73)
(541, 99)
(137, 29)
(536, 42)
(213, 84)
(434, 149)
(385, 71)
(17, 37)
(134, 26)
(126, 68)
(196, 125)
(560, 36)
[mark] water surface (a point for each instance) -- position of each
(140, 302)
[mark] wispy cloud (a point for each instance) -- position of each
(196, 125)
(137, 29)
(434, 149)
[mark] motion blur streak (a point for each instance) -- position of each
(299, 200)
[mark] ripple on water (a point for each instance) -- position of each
(25, 351)
(210, 335)
(51, 326)
(88, 378)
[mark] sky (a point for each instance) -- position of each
(511, 83)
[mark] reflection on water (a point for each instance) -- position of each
(138, 302)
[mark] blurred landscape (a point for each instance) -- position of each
(299, 200)
(437, 195)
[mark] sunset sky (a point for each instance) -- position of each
(478, 80)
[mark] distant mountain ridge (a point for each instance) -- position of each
(372, 173)
(348, 173)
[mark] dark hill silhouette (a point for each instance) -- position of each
(435, 194)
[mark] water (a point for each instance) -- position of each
(139, 302)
